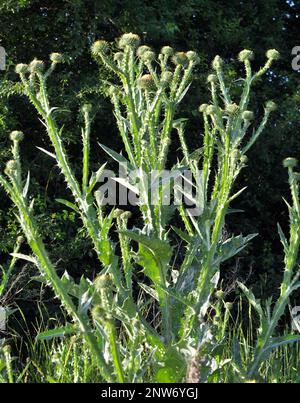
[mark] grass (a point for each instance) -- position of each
(169, 324)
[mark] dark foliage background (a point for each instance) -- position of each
(35, 28)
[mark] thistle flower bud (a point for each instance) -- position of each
(36, 66)
(211, 109)
(87, 108)
(236, 155)
(102, 281)
(246, 54)
(146, 82)
(98, 313)
(244, 159)
(290, 162)
(193, 57)
(203, 108)
(180, 58)
(7, 349)
(271, 106)
(212, 78)
(118, 212)
(248, 115)
(217, 63)
(148, 56)
(273, 54)
(220, 294)
(166, 77)
(131, 40)
(20, 239)
(142, 49)
(178, 124)
(112, 91)
(232, 108)
(11, 167)
(21, 68)
(16, 136)
(56, 58)
(118, 57)
(99, 47)
(167, 51)
(229, 306)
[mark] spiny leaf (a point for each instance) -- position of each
(58, 332)
(66, 203)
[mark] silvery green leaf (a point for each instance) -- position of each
(126, 184)
(117, 157)
(26, 187)
(47, 152)
(66, 203)
(232, 247)
(58, 332)
(180, 98)
(149, 290)
(252, 300)
(282, 238)
(276, 342)
(21, 256)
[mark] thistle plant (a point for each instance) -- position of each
(225, 144)
(269, 314)
(145, 99)
(108, 313)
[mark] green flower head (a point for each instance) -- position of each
(180, 58)
(99, 47)
(129, 40)
(166, 77)
(290, 162)
(11, 167)
(167, 51)
(36, 66)
(203, 108)
(20, 239)
(248, 115)
(271, 106)
(232, 108)
(148, 56)
(87, 108)
(212, 78)
(193, 57)
(21, 68)
(142, 49)
(118, 57)
(245, 55)
(244, 159)
(220, 294)
(16, 136)
(273, 54)
(217, 63)
(146, 82)
(56, 58)
(102, 282)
